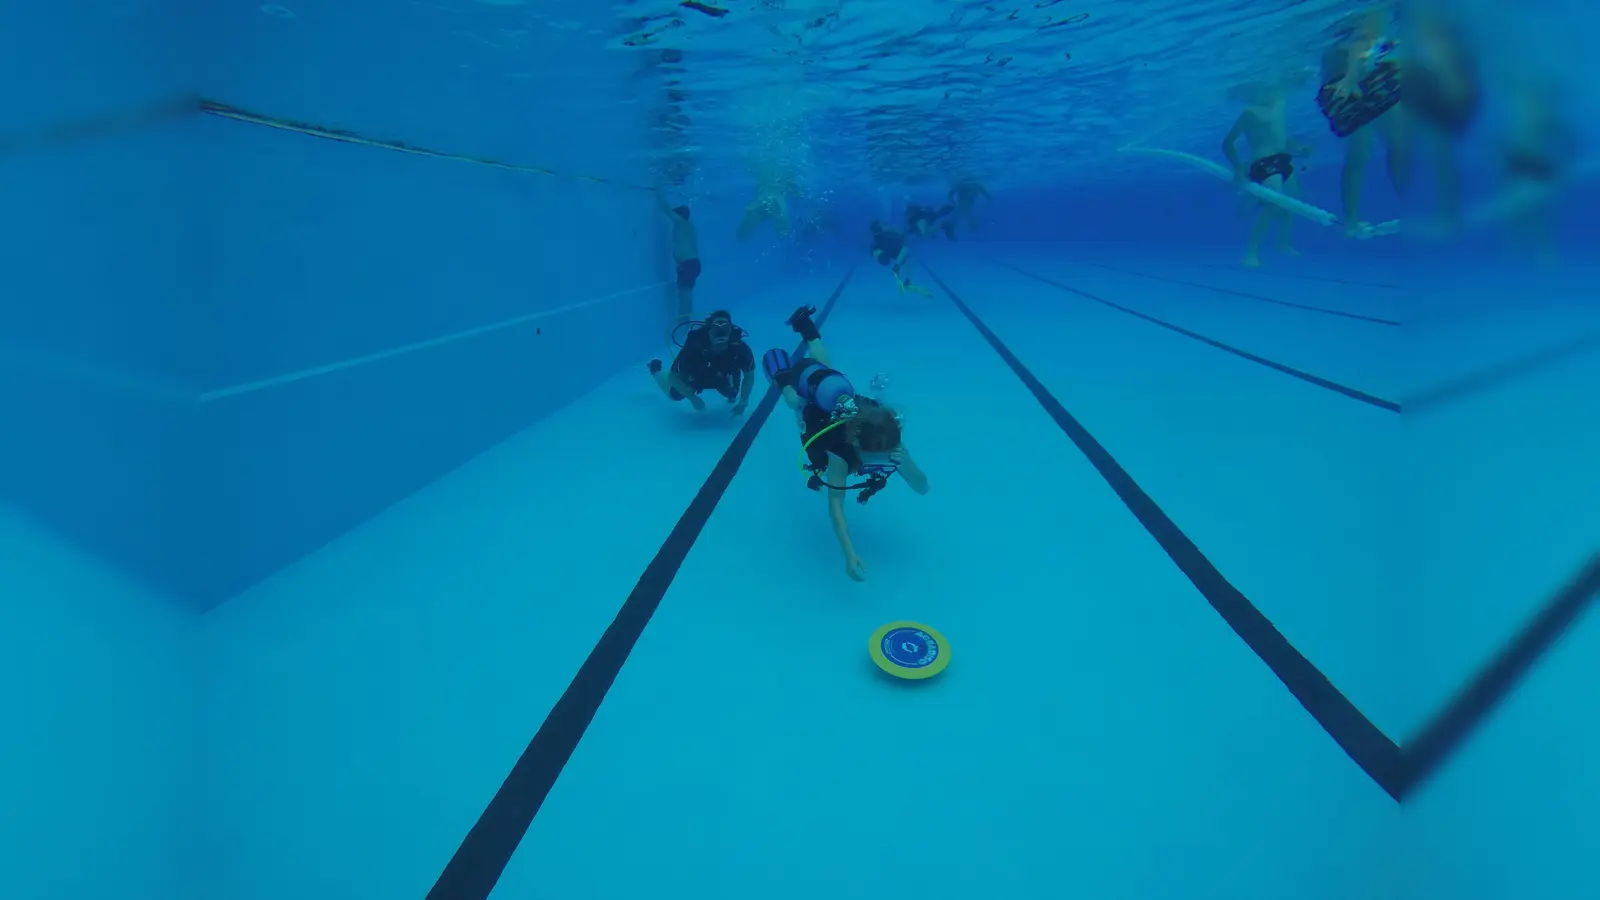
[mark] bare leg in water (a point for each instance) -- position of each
(670, 381)
(1272, 215)
(1358, 150)
(771, 202)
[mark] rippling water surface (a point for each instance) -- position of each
(900, 91)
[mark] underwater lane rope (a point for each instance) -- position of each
(226, 111)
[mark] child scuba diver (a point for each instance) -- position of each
(842, 433)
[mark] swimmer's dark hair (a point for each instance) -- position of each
(682, 211)
(875, 428)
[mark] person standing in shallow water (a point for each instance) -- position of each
(686, 252)
(1264, 126)
(964, 196)
(1359, 95)
(1442, 99)
(1536, 156)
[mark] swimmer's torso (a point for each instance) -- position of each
(1266, 130)
(685, 242)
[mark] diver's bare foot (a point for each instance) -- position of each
(1252, 261)
(1288, 251)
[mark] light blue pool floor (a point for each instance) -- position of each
(1100, 731)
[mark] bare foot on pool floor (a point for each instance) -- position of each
(1288, 251)
(1252, 261)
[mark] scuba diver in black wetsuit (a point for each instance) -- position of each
(843, 435)
(889, 249)
(921, 219)
(714, 356)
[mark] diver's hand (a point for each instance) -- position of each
(739, 408)
(902, 460)
(854, 567)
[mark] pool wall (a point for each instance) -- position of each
(244, 340)
(172, 277)
(99, 754)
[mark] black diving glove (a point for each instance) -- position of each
(803, 326)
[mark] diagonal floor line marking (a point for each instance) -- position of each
(481, 859)
(1481, 695)
(1361, 740)
(1245, 294)
(1499, 373)
(1307, 377)
(1398, 769)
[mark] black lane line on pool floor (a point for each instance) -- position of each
(1368, 746)
(483, 856)
(1245, 294)
(1300, 277)
(1430, 748)
(1398, 770)
(1499, 374)
(1234, 268)
(1307, 377)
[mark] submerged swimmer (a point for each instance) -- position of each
(889, 249)
(714, 357)
(921, 220)
(771, 203)
(843, 435)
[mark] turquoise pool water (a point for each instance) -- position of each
(349, 549)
